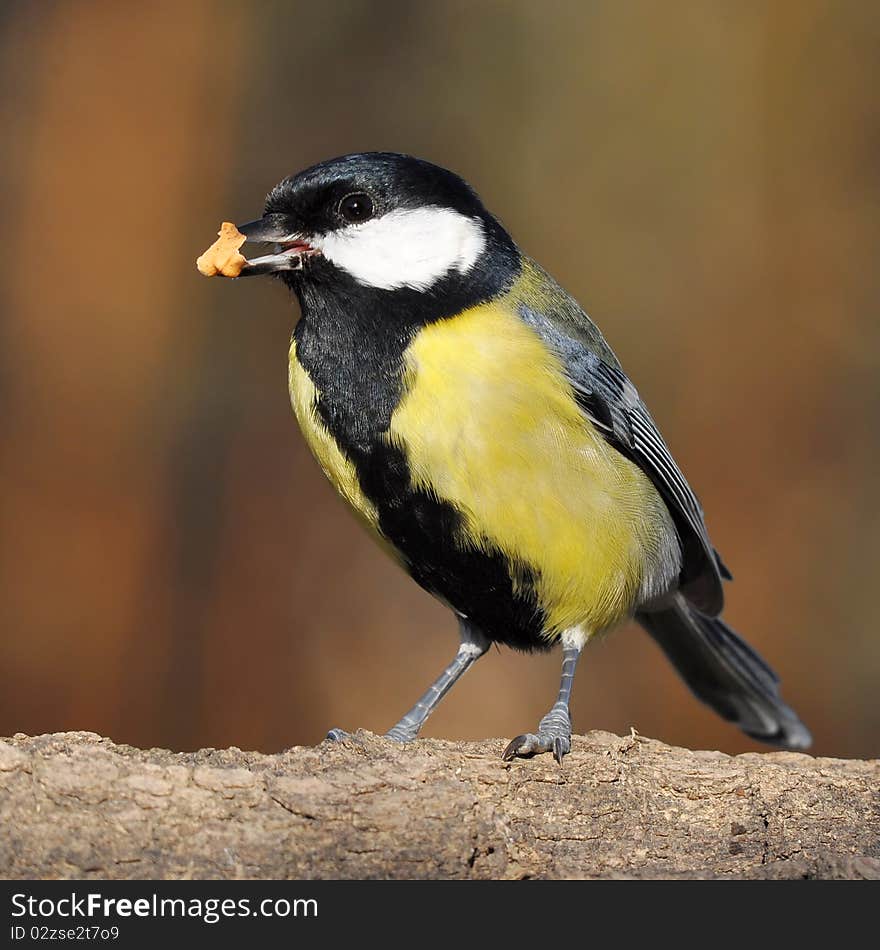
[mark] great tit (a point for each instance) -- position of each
(477, 422)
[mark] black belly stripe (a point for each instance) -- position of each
(481, 583)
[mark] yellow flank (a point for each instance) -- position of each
(489, 423)
(338, 468)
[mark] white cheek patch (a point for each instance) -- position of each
(406, 247)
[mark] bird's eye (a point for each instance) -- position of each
(356, 207)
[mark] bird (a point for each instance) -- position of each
(474, 417)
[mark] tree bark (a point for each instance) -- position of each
(74, 805)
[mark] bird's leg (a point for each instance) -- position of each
(473, 645)
(554, 730)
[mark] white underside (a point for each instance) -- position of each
(408, 247)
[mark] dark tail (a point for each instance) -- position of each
(724, 672)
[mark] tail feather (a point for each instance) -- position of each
(724, 672)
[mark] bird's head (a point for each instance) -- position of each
(383, 222)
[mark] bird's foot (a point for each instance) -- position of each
(530, 744)
(402, 733)
(553, 735)
(399, 733)
(337, 735)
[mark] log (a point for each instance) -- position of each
(75, 805)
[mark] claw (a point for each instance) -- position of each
(561, 747)
(512, 748)
(524, 745)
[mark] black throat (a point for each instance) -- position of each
(351, 338)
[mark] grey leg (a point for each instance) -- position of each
(473, 646)
(554, 730)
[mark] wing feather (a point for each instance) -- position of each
(612, 403)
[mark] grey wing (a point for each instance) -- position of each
(612, 403)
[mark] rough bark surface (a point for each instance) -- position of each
(74, 805)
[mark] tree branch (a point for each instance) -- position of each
(76, 805)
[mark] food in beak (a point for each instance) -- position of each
(222, 257)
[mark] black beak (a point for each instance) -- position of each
(290, 246)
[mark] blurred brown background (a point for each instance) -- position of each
(703, 176)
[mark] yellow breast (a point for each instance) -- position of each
(489, 423)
